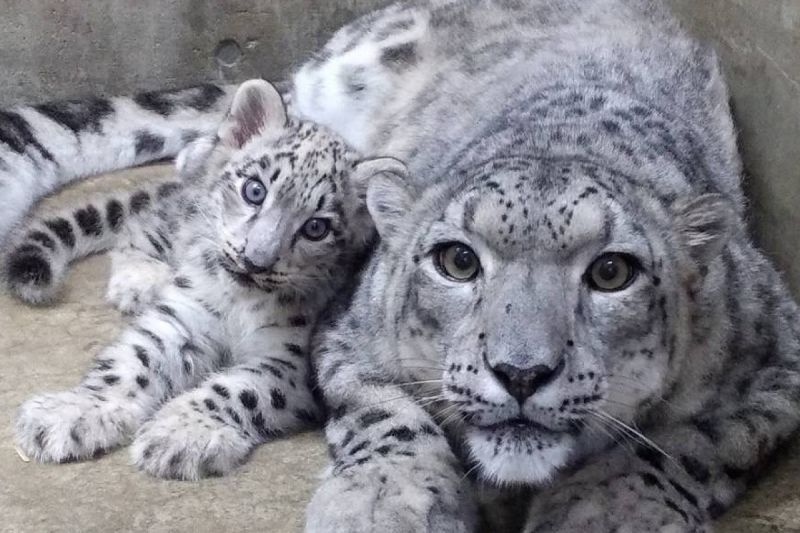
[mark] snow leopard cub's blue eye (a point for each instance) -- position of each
(254, 192)
(316, 229)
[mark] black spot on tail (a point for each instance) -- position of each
(167, 189)
(63, 230)
(89, 221)
(148, 143)
(139, 202)
(16, 133)
(28, 265)
(401, 55)
(43, 239)
(165, 103)
(78, 115)
(114, 214)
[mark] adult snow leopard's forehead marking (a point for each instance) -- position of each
(544, 204)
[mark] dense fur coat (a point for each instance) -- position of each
(225, 272)
(564, 299)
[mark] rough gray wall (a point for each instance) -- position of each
(64, 48)
(759, 44)
(53, 49)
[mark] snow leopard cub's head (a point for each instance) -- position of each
(547, 302)
(286, 198)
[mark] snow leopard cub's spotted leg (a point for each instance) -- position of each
(391, 463)
(210, 430)
(141, 261)
(162, 353)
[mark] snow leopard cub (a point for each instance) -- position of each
(264, 228)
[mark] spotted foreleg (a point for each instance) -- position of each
(212, 429)
(155, 358)
(393, 469)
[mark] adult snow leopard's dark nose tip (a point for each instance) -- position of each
(522, 383)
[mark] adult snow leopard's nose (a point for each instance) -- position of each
(522, 383)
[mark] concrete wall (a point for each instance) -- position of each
(759, 44)
(63, 48)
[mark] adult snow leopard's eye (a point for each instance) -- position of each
(457, 261)
(612, 272)
(316, 229)
(254, 192)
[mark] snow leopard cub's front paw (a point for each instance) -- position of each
(385, 500)
(134, 286)
(189, 439)
(72, 425)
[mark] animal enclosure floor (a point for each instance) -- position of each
(48, 349)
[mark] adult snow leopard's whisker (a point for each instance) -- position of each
(455, 416)
(422, 382)
(617, 434)
(634, 432)
(617, 402)
(446, 409)
(471, 470)
(598, 425)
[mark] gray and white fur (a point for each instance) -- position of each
(553, 147)
(564, 300)
(226, 271)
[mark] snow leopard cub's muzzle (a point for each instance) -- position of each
(556, 311)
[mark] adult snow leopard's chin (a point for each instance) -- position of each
(527, 454)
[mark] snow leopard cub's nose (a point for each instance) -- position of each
(522, 383)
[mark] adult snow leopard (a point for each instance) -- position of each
(564, 297)
(226, 271)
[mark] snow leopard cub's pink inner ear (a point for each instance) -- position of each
(257, 107)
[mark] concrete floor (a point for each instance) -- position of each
(45, 349)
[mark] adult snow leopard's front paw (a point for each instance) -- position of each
(134, 286)
(625, 504)
(372, 500)
(189, 440)
(72, 425)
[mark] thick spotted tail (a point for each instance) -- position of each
(47, 146)
(41, 248)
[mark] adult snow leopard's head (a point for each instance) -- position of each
(549, 296)
(287, 197)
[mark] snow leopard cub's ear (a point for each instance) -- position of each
(257, 107)
(388, 191)
(705, 223)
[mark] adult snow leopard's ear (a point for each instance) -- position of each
(705, 224)
(257, 107)
(389, 195)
